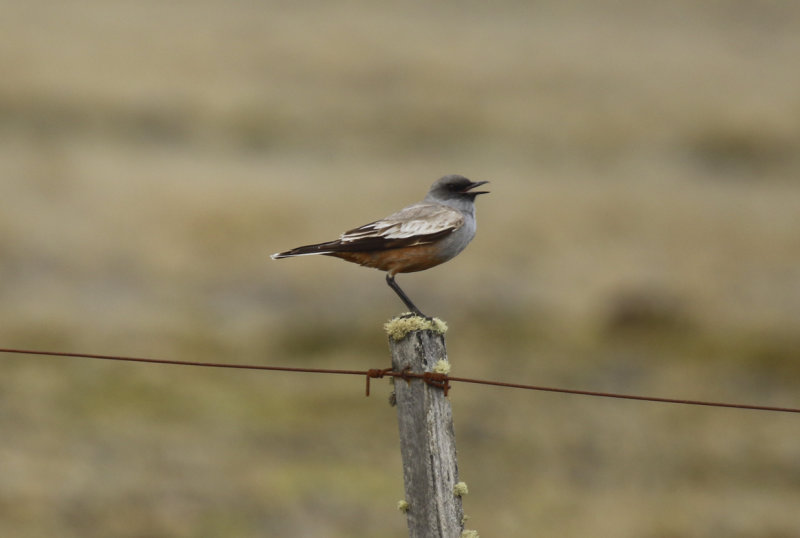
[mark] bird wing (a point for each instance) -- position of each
(418, 224)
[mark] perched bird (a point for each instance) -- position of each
(415, 238)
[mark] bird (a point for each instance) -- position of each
(418, 237)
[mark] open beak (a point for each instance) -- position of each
(473, 185)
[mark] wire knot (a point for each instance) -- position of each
(438, 380)
(376, 373)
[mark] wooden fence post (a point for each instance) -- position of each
(427, 438)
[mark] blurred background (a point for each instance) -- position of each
(642, 236)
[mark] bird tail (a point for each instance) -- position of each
(307, 250)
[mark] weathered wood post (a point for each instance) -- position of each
(427, 438)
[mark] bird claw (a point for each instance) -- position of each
(415, 315)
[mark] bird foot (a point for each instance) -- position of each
(417, 314)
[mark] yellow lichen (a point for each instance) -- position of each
(442, 367)
(468, 533)
(403, 506)
(397, 328)
(460, 489)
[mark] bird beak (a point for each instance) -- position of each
(473, 185)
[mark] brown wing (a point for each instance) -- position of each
(418, 224)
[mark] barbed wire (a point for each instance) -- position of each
(432, 378)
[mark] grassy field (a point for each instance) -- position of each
(642, 236)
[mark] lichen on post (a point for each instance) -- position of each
(427, 437)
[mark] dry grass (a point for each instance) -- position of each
(641, 236)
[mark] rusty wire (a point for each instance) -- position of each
(434, 379)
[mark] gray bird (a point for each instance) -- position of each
(416, 238)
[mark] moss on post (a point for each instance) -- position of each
(397, 328)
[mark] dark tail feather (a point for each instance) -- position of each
(307, 250)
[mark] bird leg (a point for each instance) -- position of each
(403, 297)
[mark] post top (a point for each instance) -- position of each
(398, 327)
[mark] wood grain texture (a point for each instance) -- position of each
(427, 440)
